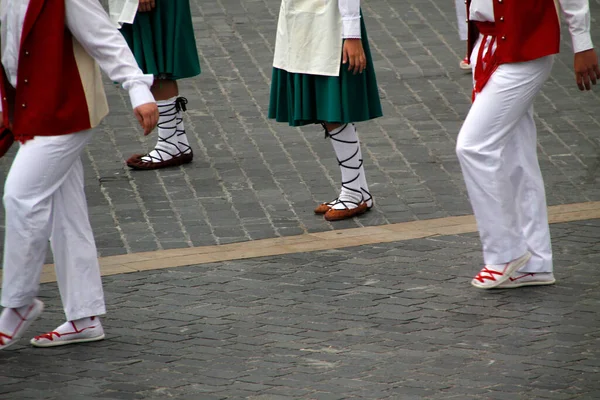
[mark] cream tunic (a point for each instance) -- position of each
(310, 35)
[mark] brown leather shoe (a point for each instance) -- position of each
(324, 207)
(338, 215)
(136, 162)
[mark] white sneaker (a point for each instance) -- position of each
(464, 64)
(490, 277)
(519, 279)
(25, 317)
(68, 333)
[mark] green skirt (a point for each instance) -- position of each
(163, 41)
(301, 99)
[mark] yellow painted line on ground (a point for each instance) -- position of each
(156, 260)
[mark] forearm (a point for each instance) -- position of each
(91, 26)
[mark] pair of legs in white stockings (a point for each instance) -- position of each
(354, 198)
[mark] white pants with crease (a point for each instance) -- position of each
(461, 17)
(497, 150)
(44, 200)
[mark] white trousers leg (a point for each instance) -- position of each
(526, 178)
(461, 17)
(44, 198)
(496, 148)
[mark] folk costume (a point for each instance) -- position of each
(163, 43)
(51, 111)
(511, 47)
(310, 85)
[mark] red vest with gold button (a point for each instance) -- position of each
(59, 87)
(526, 30)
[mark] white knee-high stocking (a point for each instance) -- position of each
(166, 147)
(182, 140)
(354, 183)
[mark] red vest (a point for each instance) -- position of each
(59, 88)
(526, 30)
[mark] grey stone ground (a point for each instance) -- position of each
(253, 178)
(394, 321)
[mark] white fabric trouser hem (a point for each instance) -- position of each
(44, 199)
(497, 150)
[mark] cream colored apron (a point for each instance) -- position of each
(309, 37)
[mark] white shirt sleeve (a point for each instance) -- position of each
(350, 10)
(91, 26)
(577, 15)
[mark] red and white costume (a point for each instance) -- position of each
(511, 47)
(52, 94)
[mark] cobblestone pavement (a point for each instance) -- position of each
(388, 321)
(253, 179)
(392, 321)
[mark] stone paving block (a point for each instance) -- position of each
(431, 338)
(247, 166)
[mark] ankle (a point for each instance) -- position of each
(87, 321)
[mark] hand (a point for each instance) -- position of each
(147, 116)
(586, 69)
(147, 5)
(354, 55)
(10, 125)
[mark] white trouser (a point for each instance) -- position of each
(497, 150)
(44, 199)
(461, 16)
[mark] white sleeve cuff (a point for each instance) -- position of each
(582, 42)
(351, 28)
(139, 93)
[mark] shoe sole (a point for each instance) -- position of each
(516, 265)
(340, 215)
(518, 285)
(325, 212)
(139, 165)
(57, 343)
(25, 326)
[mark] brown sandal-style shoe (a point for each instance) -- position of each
(136, 162)
(324, 207)
(338, 215)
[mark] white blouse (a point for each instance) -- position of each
(89, 24)
(481, 10)
(350, 10)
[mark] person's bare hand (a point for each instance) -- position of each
(147, 5)
(353, 54)
(586, 69)
(147, 116)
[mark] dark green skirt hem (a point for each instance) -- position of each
(302, 99)
(163, 41)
